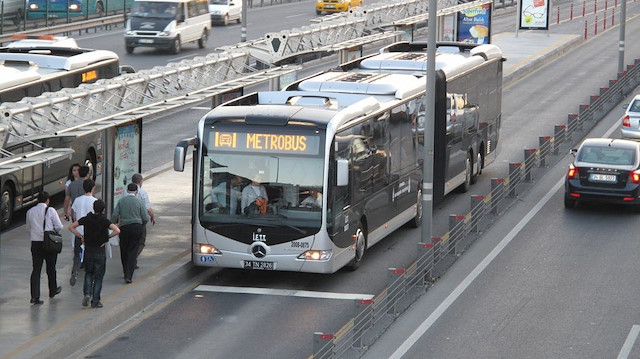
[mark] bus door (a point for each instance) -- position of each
(456, 149)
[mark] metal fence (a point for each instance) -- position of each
(405, 285)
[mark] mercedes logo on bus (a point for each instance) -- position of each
(259, 250)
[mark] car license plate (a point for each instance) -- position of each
(329, 6)
(596, 177)
(146, 41)
(259, 265)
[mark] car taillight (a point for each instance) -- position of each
(625, 121)
(635, 176)
(573, 172)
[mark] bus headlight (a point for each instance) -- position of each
(33, 7)
(206, 249)
(75, 7)
(315, 255)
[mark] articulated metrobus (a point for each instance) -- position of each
(39, 9)
(306, 179)
(30, 71)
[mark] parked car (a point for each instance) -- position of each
(604, 170)
(223, 11)
(631, 120)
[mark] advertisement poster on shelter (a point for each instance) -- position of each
(474, 24)
(126, 161)
(534, 14)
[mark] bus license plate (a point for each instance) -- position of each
(146, 41)
(258, 265)
(603, 178)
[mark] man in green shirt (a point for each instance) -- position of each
(130, 215)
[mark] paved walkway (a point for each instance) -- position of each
(61, 326)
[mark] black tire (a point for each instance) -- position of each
(417, 220)
(570, 203)
(129, 49)
(360, 248)
(202, 41)
(466, 186)
(176, 46)
(6, 206)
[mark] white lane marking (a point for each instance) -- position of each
(297, 15)
(201, 108)
(628, 344)
(424, 326)
(283, 292)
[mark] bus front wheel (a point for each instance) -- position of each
(6, 207)
(360, 246)
(417, 220)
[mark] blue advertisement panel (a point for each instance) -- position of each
(474, 24)
(534, 14)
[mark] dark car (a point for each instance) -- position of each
(604, 170)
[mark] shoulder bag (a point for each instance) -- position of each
(52, 239)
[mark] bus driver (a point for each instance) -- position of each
(254, 197)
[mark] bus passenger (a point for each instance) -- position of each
(254, 196)
(313, 200)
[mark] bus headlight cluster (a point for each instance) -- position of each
(33, 7)
(206, 249)
(316, 255)
(75, 7)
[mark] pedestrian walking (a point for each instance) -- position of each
(36, 216)
(130, 215)
(75, 190)
(95, 236)
(144, 196)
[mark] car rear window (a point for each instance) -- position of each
(607, 155)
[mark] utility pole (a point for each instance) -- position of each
(243, 31)
(429, 125)
(623, 22)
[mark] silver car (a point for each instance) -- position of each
(631, 120)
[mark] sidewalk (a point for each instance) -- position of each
(61, 326)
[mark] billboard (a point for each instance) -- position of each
(474, 24)
(534, 15)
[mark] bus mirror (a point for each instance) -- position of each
(342, 166)
(180, 153)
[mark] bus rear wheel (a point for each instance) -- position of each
(417, 220)
(6, 207)
(360, 246)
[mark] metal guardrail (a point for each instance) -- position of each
(405, 285)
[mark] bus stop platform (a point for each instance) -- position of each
(62, 327)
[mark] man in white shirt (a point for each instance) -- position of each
(251, 193)
(219, 194)
(35, 220)
(82, 206)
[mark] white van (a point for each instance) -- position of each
(167, 24)
(223, 11)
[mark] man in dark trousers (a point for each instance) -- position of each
(130, 215)
(96, 236)
(35, 220)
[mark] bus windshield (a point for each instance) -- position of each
(269, 187)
